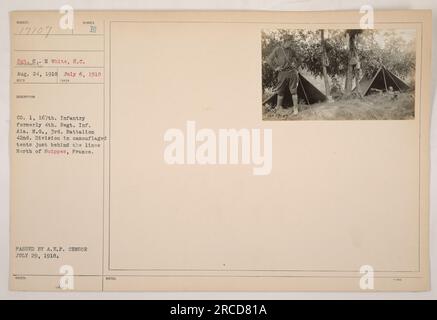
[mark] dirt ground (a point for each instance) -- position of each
(372, 107)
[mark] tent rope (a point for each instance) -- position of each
(385, 81)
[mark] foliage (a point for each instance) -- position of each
(393, 51)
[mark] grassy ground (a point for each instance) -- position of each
(373, 107)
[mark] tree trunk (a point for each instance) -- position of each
(324, 65)
(349, 75)
(348, 85)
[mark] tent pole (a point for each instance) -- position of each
(385, 81)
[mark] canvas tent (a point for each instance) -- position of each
(306, 93)
(382, 80)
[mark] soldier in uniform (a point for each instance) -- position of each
(284, 61)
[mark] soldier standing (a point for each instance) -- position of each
(284, 61)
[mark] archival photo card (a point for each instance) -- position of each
(152, 151)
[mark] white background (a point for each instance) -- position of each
(290, 5)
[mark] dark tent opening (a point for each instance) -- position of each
(382, 81)
(306, 93)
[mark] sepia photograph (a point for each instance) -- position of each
(350, 74)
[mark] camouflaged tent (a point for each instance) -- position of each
(307, 93)
(382, 81)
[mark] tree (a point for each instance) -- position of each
(353, 60)
(325, 63)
